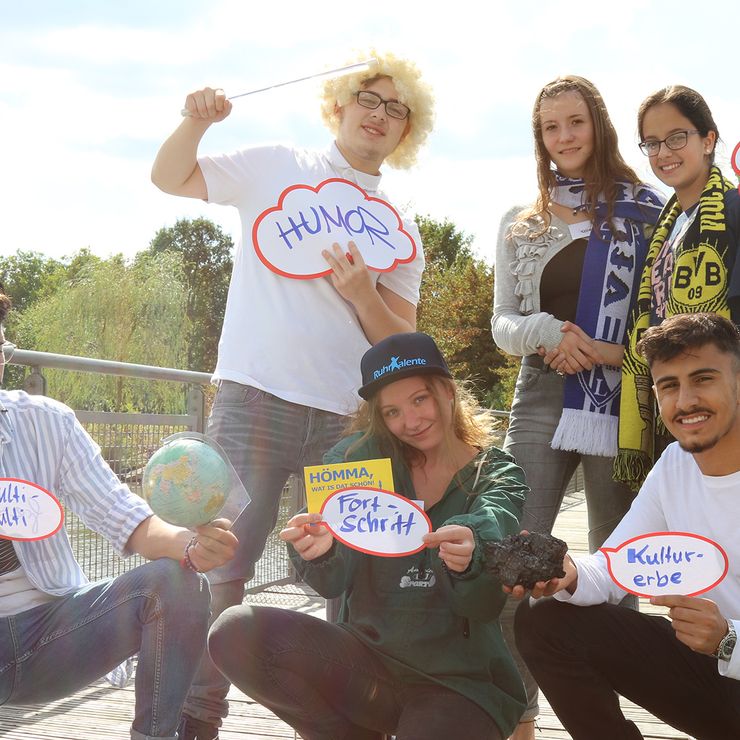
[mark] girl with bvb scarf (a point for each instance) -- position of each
(691, 265)
(567, 270)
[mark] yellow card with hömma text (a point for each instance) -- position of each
(323, 480)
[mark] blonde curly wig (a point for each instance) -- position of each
(412, 91)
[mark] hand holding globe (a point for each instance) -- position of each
(188, 481)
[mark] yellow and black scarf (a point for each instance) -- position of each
(698, 284)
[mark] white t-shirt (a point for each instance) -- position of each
(17, 593)
(676, 497)
(297, 339)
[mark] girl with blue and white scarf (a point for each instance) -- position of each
(567, 269)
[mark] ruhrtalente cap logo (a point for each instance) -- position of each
(398, 364)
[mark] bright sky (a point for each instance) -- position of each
(89, 89)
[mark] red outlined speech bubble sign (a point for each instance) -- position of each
(376, 522)
(289, 236)
(735, 161)
(667, 563)
(27, 511)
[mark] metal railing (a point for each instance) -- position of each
(127, 441)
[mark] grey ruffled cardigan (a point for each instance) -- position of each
(518, 326)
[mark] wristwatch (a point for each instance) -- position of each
(726, 644)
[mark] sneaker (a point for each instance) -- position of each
(196, 729)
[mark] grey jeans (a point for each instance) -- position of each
(535, 413)
(266, 439)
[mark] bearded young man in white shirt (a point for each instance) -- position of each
(686, 669)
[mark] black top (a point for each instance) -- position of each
(561, 281)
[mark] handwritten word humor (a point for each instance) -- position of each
(375, 521)
(290, 236)
(667, 563)
(27, 511)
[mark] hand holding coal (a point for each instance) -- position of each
(525, 559)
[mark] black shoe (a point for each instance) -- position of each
(196, 729)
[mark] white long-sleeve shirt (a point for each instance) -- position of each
(676, 497)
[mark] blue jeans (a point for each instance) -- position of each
(266, 439)
(158, 610)
(535, 413)
(328, 685)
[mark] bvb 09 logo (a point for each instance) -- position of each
(698, 277)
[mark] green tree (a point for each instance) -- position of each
(112, 310)
(27, 276)
(443, 243)
(455, 308)
(205, 253)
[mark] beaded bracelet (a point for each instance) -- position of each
(186, 561)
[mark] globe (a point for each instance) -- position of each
(186, 482)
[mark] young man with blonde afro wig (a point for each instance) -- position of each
(290, 350)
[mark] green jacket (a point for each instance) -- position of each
(428, 624)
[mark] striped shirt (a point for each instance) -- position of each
(41, 441)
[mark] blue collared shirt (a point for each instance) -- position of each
(41, 441)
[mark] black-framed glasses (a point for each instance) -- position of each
(8, 349)
(673, 142)
(369, 99)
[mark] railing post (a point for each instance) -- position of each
(197, 407)
(35, 383)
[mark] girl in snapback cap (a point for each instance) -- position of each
(417, 651)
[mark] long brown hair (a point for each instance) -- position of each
(604, 167)
(471, 424)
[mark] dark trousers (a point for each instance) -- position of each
(328, 685)
(582, 657)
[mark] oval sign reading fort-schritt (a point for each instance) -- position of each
(375, 521)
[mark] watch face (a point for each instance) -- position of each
(727, 646)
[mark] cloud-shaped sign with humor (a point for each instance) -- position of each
(667, 564)
(27, 511)
(290, 236)
(375, 521)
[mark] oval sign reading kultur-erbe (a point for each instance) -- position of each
(27, 511)
(667, 564)
(375, 521)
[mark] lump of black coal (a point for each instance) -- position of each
(524, 559)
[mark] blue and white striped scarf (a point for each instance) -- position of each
(611, 272)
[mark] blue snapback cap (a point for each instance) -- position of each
(400, 356)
